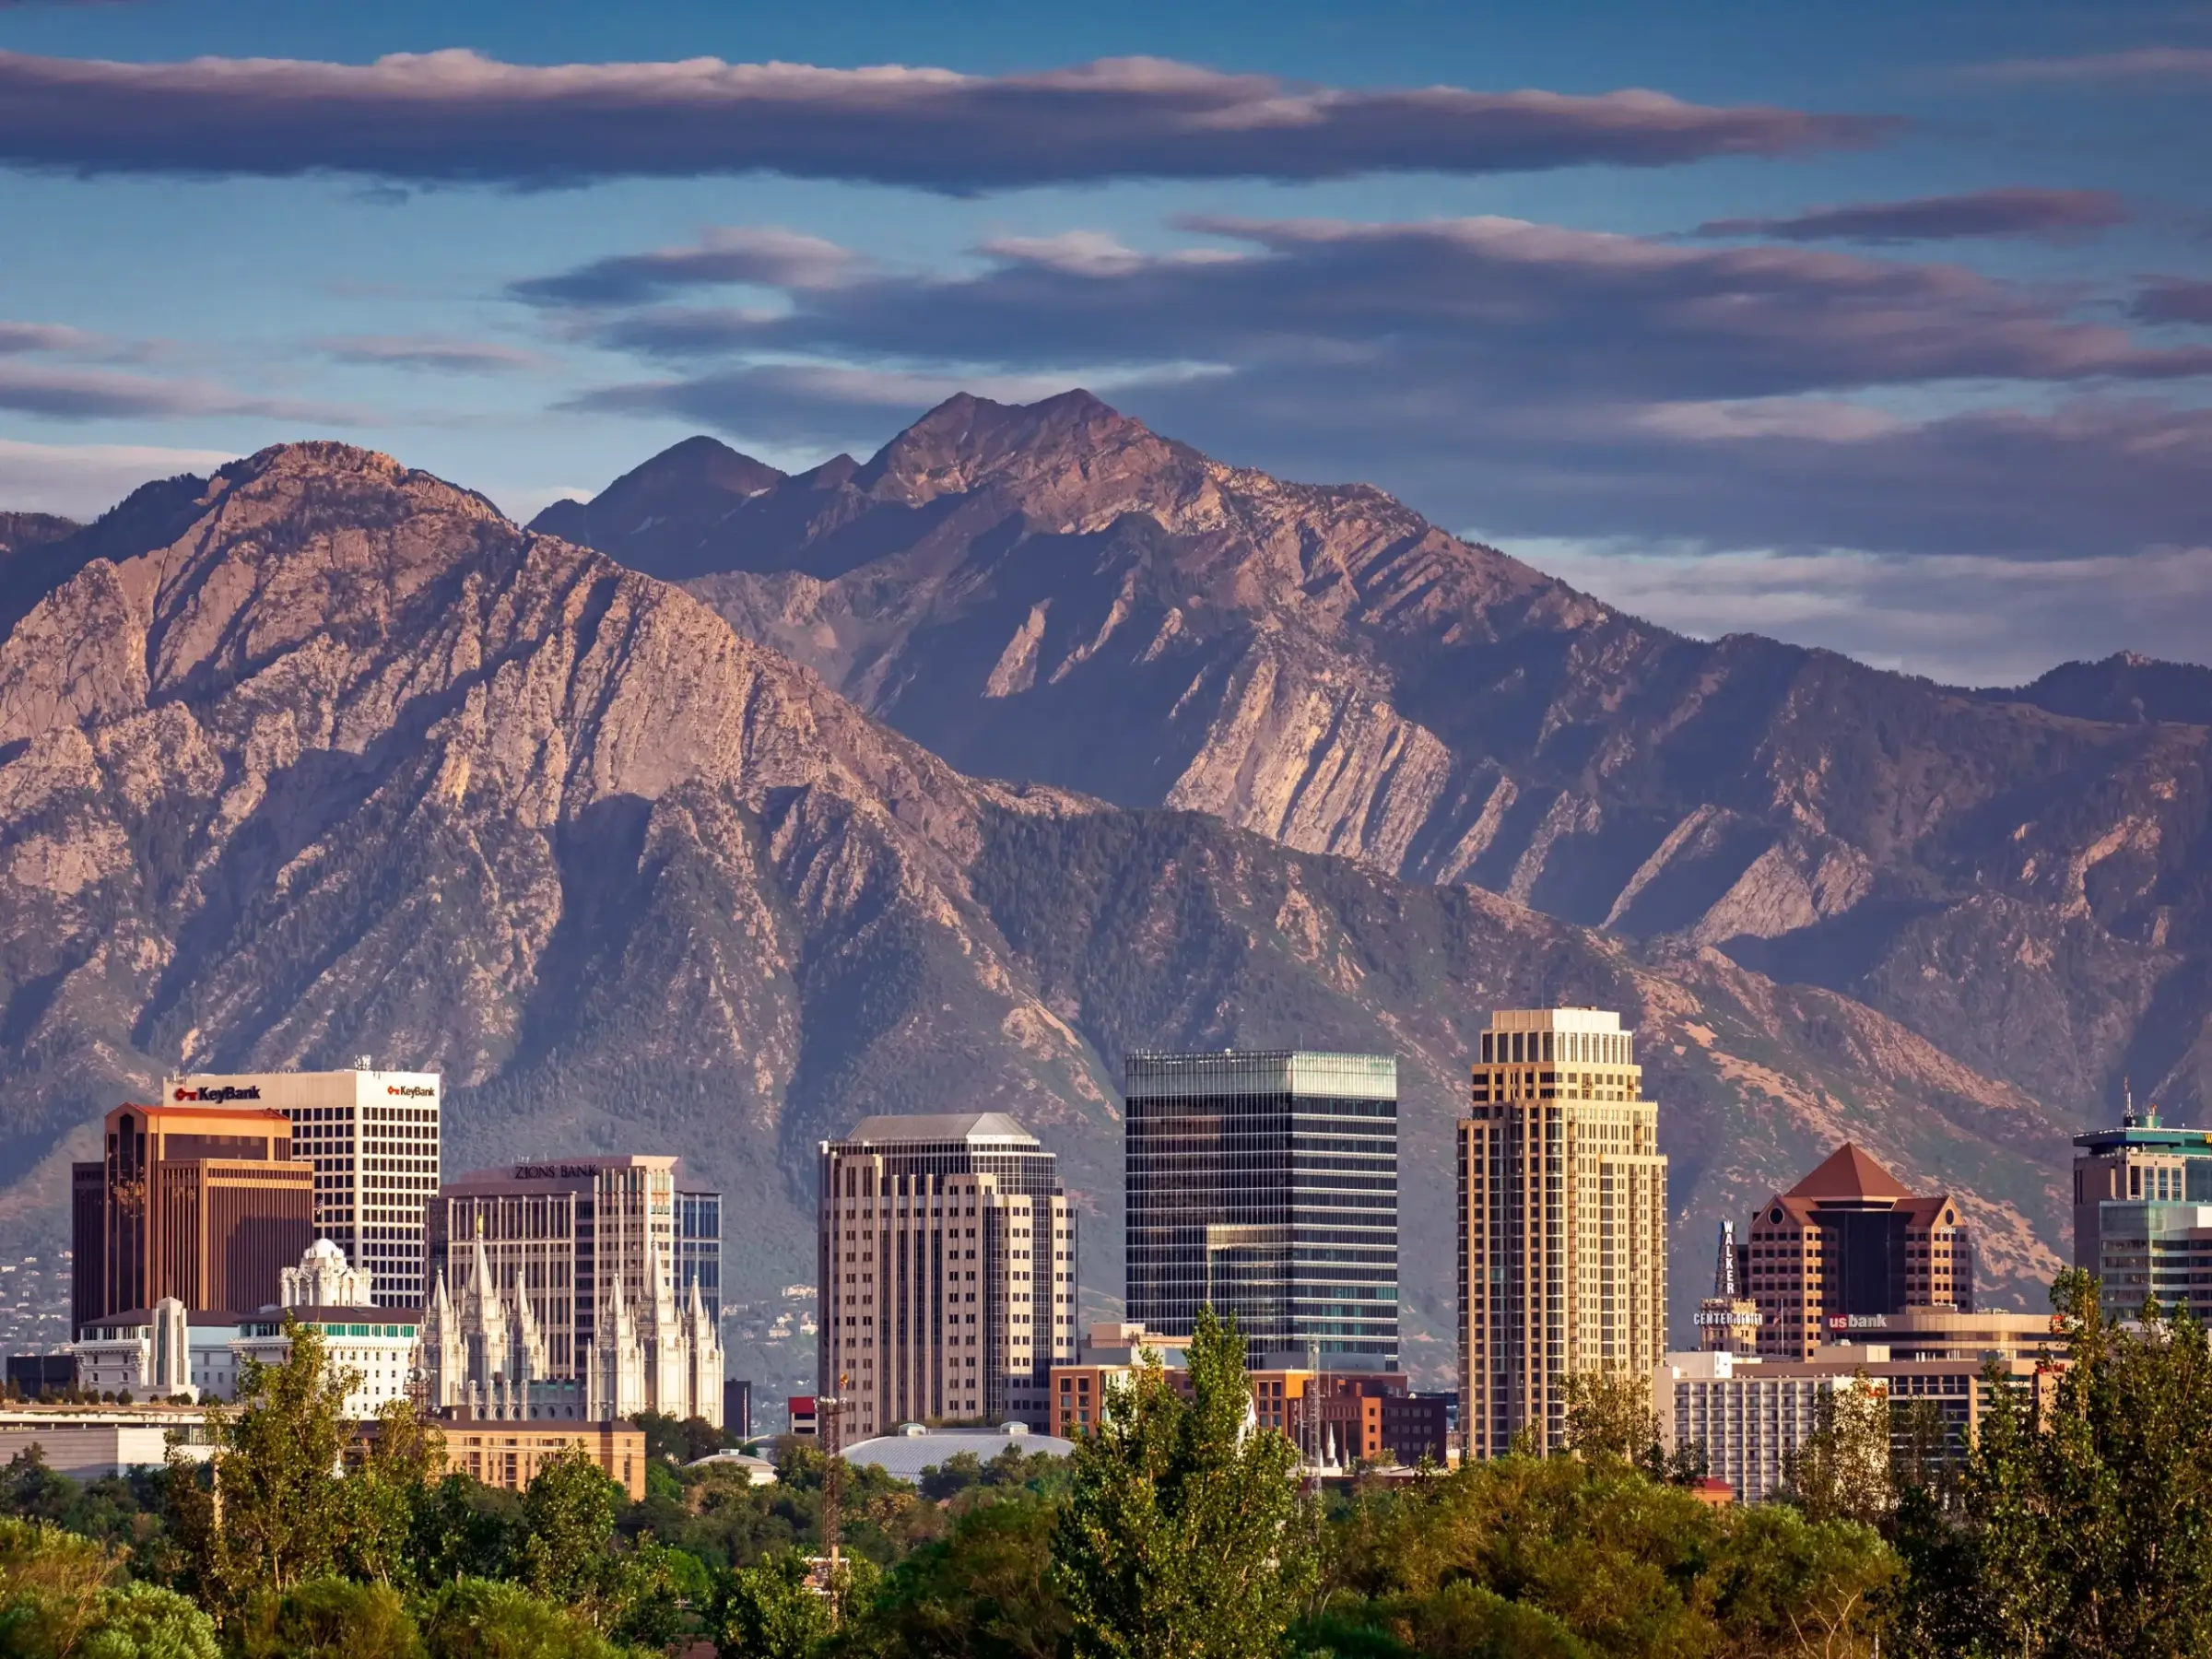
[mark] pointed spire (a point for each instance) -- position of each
(480, 1281)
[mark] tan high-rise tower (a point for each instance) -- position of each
(1562, 1244)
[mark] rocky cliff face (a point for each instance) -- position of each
(1057, 593)
(321, 756)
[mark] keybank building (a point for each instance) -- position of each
(1266, 1183)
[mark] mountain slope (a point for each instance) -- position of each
(2125, 688)
(1057, 593)
(323, 757)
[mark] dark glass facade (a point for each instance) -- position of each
(1266, 1184)
(699, 1248)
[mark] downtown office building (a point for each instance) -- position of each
(373, 1138)
(1266, 1184)
(948, 1260)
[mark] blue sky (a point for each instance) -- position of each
(1960, 428)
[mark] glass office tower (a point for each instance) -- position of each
(1266, 1183)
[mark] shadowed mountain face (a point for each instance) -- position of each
(2123, 687)
(321, 756)
(1057, 593)
(19, 531)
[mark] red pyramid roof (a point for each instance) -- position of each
(1848, 1173)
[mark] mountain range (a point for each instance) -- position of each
(729, 806)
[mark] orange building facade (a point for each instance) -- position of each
(508, 1455)
(1333, 1419)
(205, 1204)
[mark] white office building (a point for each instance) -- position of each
(373, 1139)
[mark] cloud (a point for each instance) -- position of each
(2175, 299)
(21, 337)
(429, 351)
(1515, 307)
(2053, 214)
(832, 406)
(1953, 618)
(766, 255)
(98, 394)
(58, 339)
(457, 116)
(1538, 380)
(83, 481)
(2135, 65)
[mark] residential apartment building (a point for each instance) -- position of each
(1849, 1242)
(373, 1138)
(947, 1272)
(1563, 1222)
(2143, 1214)
(1751, 1416)
(1266, 1184)
(204, 1204)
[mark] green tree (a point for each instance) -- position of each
(385, 1493)
(1180, 1538)
(1782, 1583)
(1842, 1470)
(985, 1592)
(268, 1511)
(51, 1583)
(30, 1490)
(482, 1618)
(147, 1621)
(1609, 1414)
(59, 1600)
(2083, 1519)
(328, 1618)
(568, 1524)
(773, 1611)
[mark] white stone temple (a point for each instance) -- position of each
(484, 1354)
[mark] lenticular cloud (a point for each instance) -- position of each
(457, 116)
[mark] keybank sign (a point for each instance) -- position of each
(217, 1096)
(410, 1091)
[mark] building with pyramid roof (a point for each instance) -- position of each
(1848, 1243)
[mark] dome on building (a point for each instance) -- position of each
(905, 1453)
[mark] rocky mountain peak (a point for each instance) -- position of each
(672, 504)
(1051, 453)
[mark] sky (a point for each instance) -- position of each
(1885, 328)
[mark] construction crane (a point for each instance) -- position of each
(831, 1413)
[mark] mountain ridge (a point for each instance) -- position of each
(1059, 593)
(331, 759)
